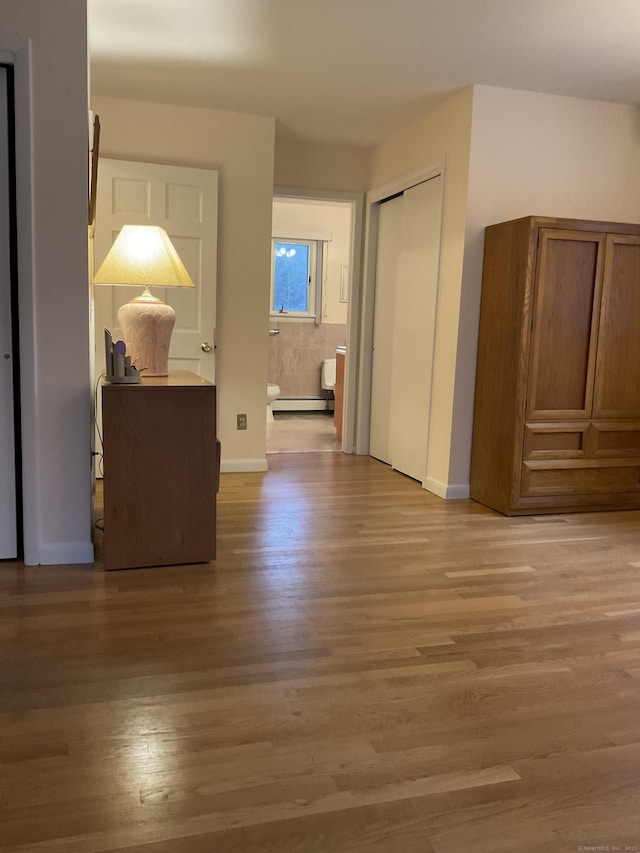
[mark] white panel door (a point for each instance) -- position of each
(414, 328)
(184, 202)
(8, 534)
(389, 236)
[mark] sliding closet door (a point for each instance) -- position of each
(389, 235)
(404, 327)
(414, 328)
(8, 536)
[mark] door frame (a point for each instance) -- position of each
(351, 372)
(12, 545)
(365, 350)
(16, 51)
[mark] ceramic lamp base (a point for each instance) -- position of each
(147, 328)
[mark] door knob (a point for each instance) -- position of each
(206, 347)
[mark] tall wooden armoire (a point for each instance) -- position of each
(557, 405)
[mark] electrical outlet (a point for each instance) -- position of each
(241, 421)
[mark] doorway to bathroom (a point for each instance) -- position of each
(315, 258)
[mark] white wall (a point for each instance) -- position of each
(536, 154)
(48, 43)
(240, 147)
(301, 218)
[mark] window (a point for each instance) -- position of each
(296, 278)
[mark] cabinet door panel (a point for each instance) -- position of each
(567, 297)
(617, 385)
(555, 440)
(616, 439)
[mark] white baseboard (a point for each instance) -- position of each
(300, 405)
(443, 490)
(231, 466)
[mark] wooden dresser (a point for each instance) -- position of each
(557, 404)
(160, 471)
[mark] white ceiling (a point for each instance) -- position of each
(353, 70)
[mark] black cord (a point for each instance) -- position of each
(95, 411)
(99, 453)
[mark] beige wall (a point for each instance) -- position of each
(49, 44)
(536, 154)
(320, 166)
(240, 147)
(443, 134)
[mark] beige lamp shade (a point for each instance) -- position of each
(144, 255)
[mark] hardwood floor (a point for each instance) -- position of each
(365, 668)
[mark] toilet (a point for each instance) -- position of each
(328, 374)
(273, 392)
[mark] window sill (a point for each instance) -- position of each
(291, 318)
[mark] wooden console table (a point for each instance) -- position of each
(160, 471)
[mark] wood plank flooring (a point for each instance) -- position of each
(365, 668)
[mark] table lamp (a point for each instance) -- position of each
(144, 254)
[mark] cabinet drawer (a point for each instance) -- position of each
(555, 441)
(539, 480)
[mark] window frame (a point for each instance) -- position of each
(314, 275)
